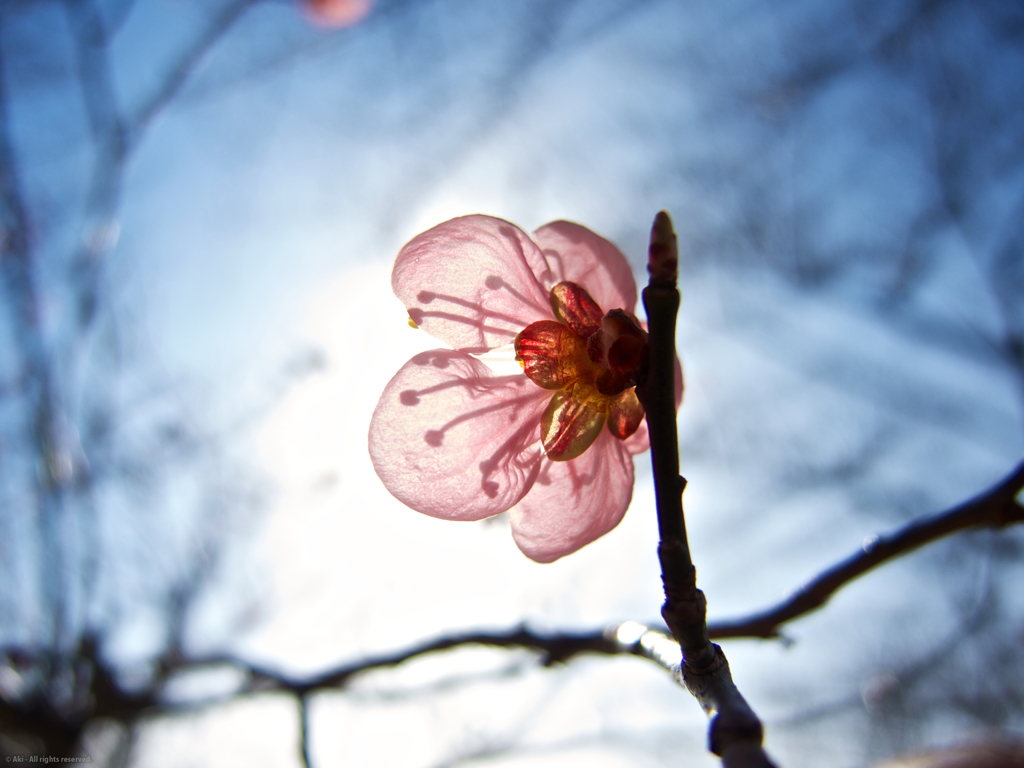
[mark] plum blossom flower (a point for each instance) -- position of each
(337, 13)
(554, 445)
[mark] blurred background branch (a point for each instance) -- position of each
(60, 733)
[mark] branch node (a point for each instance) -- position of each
(734, 727)
(678, 573)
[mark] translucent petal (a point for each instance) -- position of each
(573, 306)
(569, 426)
(552, 355)
(451, 440)
(576, 254)
(472, 282)
(574, 502)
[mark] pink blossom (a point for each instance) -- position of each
(337, 13)
(554, 445)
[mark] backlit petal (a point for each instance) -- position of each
(472, 282)
(574, 502)
(552, 355)
(451, 440)
(575, 253)
(569, 426)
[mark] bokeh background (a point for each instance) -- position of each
(201, 203)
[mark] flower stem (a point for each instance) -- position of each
(735, 732)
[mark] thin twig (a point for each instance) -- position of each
(554, 648)
(995, 508)
(735, 732)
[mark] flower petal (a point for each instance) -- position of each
(472, 282)
(569, 426)
(451, 440)
(641, 441)
(576, 254)
(552, 355)
(574, 502)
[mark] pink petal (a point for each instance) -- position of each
(574, 502)
(471, 282)
(576, 254)
(451, 440)
(640, 441)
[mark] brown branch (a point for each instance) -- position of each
(735, 732)
(555, 648)
(995, 508)
(34, 721)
